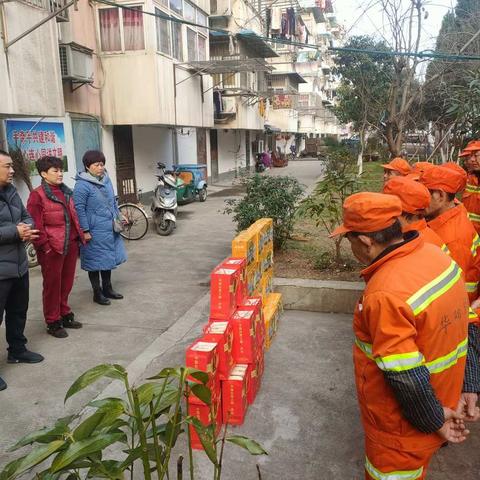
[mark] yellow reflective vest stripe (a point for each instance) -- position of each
(420, 300)
(396, 475)
(407, 361)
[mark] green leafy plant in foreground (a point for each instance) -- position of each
(144, 427)
(269, 196)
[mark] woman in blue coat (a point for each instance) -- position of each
(98, 213)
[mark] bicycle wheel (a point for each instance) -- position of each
(31, 255)
(136, 226)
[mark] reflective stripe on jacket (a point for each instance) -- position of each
(414, 312)
(471, 200)
(458, 233)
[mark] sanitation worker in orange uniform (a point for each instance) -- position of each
(398, 167)
(450, 221)
(471, 195)
(411, 337)
(415, 198)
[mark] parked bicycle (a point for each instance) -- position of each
(31, 255)
(136, 227)
(136, 223)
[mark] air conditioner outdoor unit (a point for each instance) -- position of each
(229, 105)
(76, 63)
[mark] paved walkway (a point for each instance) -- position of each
(163, 278)
(306, 414)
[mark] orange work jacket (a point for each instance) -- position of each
(471, 200)
(456, 230)
(426, 233)
(413, 312)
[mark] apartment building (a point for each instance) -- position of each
(30, 83)
(109, 77)
(173, 81)
(238, 58)
(317, 95)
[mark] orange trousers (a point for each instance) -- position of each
(382, 461)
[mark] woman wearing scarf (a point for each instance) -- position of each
(100, 220)
(53, 212)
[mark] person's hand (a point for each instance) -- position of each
(124, 220)
(475, 304)
(87, 236)
(467, 406)
(453, 430)
(32, 235)
(26, 232)
(23, 229)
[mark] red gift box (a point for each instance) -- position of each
(240, 265)
(223, 292)
(255, 304)
(222, 334)
(234, 395)
(204, 414)
(255, 372)
(203, 356)
(244, 336)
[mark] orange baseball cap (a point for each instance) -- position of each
(368, 212)
(398, 164)
(457, 168)
(471, 147)
(413, 195)
(421, 166)
(444, 178)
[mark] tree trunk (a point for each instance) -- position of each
(363, 142)
(338, 253)
(391, 140)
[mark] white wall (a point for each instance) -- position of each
(109, 152)
(284, 119)
(187, 145)
(190, 109)
(30, 79)
(231, 150)
(150, 145)
(306, 124)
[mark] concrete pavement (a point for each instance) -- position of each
(163, 278)
(306, 414)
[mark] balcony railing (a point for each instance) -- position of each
(50, 6)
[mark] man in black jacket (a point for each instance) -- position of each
(15, 229)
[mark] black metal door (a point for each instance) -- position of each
(125, 163)
(214, 154)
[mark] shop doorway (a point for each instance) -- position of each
(214, 154)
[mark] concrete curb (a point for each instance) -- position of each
(319, 295)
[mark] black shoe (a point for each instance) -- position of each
(69, 321)
(24, 357)
(3, 384)
(99, 298)
(109, 292)
(56, 329)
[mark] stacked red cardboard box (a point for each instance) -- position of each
(243, 321)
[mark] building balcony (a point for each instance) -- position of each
(50, 6)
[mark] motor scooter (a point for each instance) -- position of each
(164, 201)
(259, 165)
